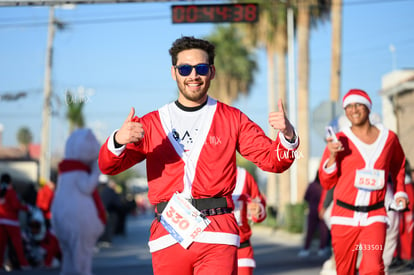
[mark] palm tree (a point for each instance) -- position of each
(235, 65)
(336, 50)
(309, 12)
(25, 138)
(270, 32)
(74, 112)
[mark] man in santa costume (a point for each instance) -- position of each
(357, 162)
(249, 206)
(77, 213)
(190, 150)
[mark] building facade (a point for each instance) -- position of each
(397, 95)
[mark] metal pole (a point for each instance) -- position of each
(292, 98)
(45, 154)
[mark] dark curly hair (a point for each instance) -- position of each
(190, 42)
(4, 182)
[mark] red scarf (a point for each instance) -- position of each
(69, 165)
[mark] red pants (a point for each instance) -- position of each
(406, 227)
(51, 245)
(246, 262)
(13, 233)
(199, 258)
(348, 241)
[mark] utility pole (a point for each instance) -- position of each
(45, 153)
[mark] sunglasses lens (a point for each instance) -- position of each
(185, 70)
(201, 69)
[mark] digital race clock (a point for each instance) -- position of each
(218, 13)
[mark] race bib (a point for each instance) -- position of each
(182, 220)
(369, 179)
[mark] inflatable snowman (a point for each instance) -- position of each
(78, 216)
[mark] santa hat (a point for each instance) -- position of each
(357, 96)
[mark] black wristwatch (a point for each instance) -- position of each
(292, 140)
(117, 145)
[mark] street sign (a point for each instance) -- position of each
(215, 13)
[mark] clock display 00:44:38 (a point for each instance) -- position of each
(215, 13)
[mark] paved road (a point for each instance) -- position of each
(275, 253)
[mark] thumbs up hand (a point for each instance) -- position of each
(131, 131)
(279, 121)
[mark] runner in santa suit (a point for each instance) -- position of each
(249, 205)
(10, 206)
(44, 200)
(406, 234)
(190, 150)
(358, 165)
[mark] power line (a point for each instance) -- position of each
(86, 21)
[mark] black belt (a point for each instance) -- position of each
(207, 206)
(245, 244)
(360, 208)
(200, 204)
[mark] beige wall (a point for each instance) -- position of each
(404, 110)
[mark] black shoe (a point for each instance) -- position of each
(407, 266)
(396, 263)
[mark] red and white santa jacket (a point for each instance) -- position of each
(247, 190)
(44, 200)
(208, 170)
(10, 205)
(385, 154)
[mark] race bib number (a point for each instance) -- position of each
(182, 220)
(369, 179)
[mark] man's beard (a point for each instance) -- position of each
(194, 96)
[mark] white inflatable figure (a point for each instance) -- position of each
(74, 213)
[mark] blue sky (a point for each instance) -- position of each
(118, 53)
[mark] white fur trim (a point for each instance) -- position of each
(161, 243)
(111, 145)
(400, 195)
(358, 220)
(330, 169)
(287, 144)
(356, 99)
(9, 222)
(204, 237)
(246, 262)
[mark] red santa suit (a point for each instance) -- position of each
(206, 170)
(10, 206)
(358, 216)
(406, 241)
(51, 246)
(246, 191)
(37, 235)
(44, 201)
